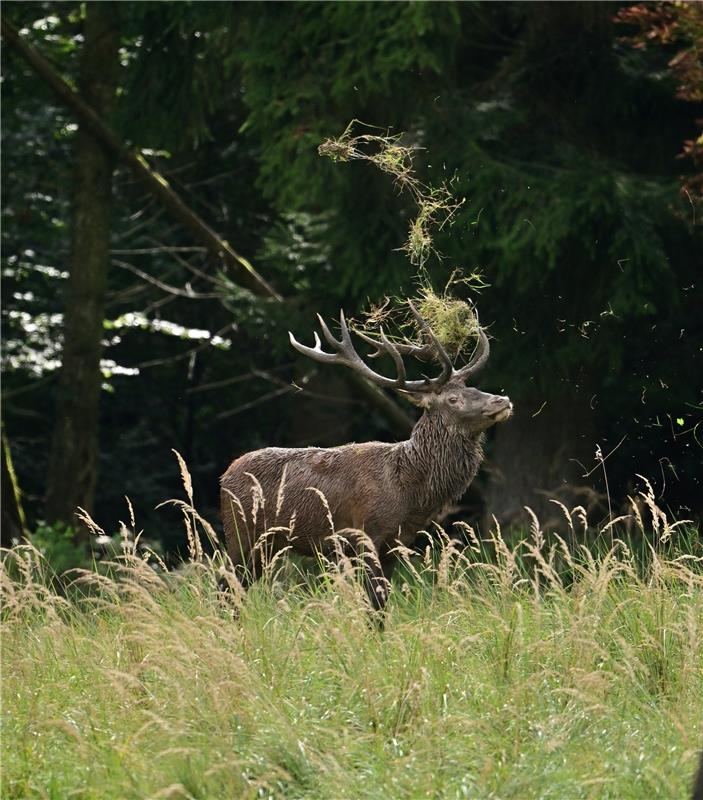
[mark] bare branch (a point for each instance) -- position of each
(253, 403)
(159, 249)
(189, 293)
(156, 183)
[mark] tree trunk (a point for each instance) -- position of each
(93, 122)
(73, 460)
(13, 525)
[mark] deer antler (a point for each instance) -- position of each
(346, 355)
(478, 359)
(432, 350)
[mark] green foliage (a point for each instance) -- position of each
(335, 60)
(59, 548)
(179, 66)
(435, 205)
(300, 89)
(296, 250)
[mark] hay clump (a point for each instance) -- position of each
(454, 322)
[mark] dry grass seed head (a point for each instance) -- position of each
(280, 495)
(89, 522)
(258, 500)
(326, 505)
(185, 475)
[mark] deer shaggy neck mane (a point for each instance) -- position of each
(438, 462)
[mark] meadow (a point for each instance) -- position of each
(538, 668)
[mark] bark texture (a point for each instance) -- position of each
(73, 461)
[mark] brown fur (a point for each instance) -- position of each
(388, 491)
(698, 782)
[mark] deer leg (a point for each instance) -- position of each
(376, 582)
(247, 571)
(245, 559)
(389, 561)
(379, 571)
(250, 570)
(361, 549)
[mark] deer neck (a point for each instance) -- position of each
(439, 461)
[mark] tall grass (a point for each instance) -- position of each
(542, 670)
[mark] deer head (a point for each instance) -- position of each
(445, 395)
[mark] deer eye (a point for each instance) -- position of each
(453, 400)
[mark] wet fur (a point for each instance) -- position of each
(388, 491)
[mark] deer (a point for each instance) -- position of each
(377, 496)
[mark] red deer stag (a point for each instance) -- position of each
(387, 491)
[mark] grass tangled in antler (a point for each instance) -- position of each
(436, 205)
(453, 321)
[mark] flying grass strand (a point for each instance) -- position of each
(435, 205)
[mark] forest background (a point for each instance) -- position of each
(569, 128)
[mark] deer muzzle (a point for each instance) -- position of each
(500, 408)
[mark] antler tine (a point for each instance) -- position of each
(346, 355)
(343, 324)
(478, 359)
(441, 353)
(316, 352)
(373, 342)
(392, 351)
(331, 341)
(422, 352)
(387, 347)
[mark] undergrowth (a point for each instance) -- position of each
(542, 669)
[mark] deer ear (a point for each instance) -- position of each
(420, 400)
